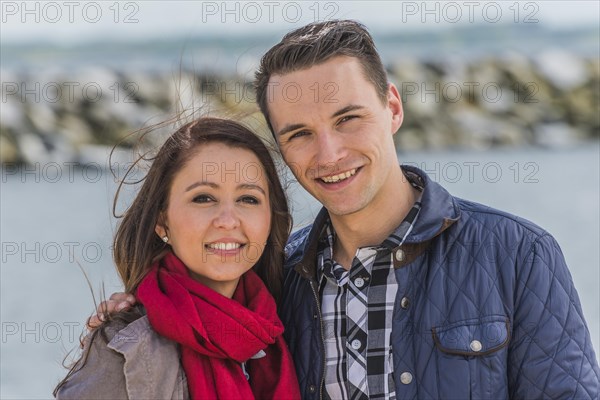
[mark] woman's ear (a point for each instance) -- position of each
(161, 228)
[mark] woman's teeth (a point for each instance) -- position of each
(224, 246)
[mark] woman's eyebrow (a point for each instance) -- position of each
(201, 183)
(251, 186)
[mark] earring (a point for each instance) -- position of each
(165, 239)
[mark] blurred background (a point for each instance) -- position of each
(501, 107)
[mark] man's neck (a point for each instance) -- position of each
(372, 225)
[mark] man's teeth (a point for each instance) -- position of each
(339, 177)
(225, 246)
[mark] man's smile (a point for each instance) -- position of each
(339, 177)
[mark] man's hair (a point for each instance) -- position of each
(315, 44)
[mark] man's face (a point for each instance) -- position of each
(335, 133)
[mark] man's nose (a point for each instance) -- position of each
(330, 149)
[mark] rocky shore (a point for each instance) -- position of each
(551, 100)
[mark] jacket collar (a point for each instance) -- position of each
(438, 212)
(307, 265)
(438, 209)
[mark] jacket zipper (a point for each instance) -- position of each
(322, 339)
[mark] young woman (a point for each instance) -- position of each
(201, 247)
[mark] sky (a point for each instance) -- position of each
(71, 22)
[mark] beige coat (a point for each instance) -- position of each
(137, 363)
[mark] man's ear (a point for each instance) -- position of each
(395, 105)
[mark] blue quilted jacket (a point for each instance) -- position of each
(489, 310)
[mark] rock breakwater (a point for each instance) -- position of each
(549, 100)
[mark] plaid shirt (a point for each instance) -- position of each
(357, 309)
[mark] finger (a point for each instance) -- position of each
(131, 299)
(119, 296)
(107, 307)
(124, 305)
(93, 322)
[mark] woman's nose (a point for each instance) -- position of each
(226, 218)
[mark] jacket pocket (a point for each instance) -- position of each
(473, 337)
(471, 357)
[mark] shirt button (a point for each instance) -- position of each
(359, 282)
(476, 345)
(406, 378)
(399, 254)
(312, 388)
(404, 303)
(355, 344)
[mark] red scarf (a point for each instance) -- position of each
(217, 334)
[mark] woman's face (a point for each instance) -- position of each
(219, 215)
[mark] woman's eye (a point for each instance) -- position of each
(249, 200)
(202, 198)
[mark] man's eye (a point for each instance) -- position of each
(249, 200)
(298, 134)
(202, 198)
(348, 118)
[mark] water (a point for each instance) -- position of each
(45, 299)
(240, 54)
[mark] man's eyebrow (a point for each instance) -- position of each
(293, 127)
(201, 183)
(251, 186)
(351, 107)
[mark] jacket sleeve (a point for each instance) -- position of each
(551, 354)
(101, 376)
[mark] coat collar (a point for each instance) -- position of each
(438, 209)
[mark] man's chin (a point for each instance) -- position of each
(338, 209)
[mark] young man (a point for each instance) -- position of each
(398, 289)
